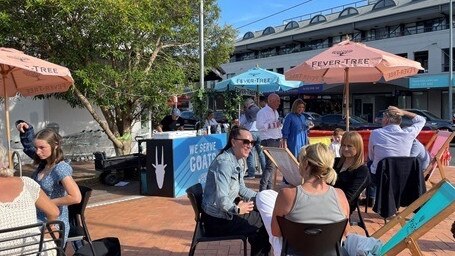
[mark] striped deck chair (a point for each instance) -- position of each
(438, 148)
(432, 207)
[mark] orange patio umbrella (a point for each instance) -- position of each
(351, 62)
(28, 76)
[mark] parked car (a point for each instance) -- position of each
(190, 119)
(311, 115)
(433, 122)
(332, 121)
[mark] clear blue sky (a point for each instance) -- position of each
(241, 12)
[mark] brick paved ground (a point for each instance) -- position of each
(164, 226)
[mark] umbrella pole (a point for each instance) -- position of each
(8, 134)
(346, 89)
(257, 95)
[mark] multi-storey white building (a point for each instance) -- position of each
(416, 29)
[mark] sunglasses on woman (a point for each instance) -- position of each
(246, 141)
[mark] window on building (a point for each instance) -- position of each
(348, 12)
(404, 55)
(280, 70)
(384, 4)
(318, 19)
(395, 31)
(422, 57)
(268, 31)
(410, 28)
(248, 35)
(377, 34)
(267, 52)
(246, 56)
(291, 25)
(337, 39)
(317, 44)
(356, 36)
(446, 60)
(289, 48)
(419, 100)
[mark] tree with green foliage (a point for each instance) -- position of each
(127, 57)
(233, 100)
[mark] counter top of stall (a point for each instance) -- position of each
(174, 134)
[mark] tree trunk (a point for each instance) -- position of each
(120, 147)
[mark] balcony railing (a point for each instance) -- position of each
(376, 36)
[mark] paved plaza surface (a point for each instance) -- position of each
(148, 225)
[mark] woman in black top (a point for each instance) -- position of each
(353, 174)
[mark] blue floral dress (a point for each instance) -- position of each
(52, 186)
(51, 183)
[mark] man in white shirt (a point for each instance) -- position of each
(269, 127)
(391, 139)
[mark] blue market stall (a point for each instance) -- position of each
(174, 164)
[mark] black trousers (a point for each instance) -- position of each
(249, 224)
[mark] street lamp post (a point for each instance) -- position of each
(450, 58)
(201, 44)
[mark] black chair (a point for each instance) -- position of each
(194, 193)
(399, 182)
(311, 239)
(78, 227)
(34, 239)
(356, 204)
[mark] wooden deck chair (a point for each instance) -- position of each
(432, 208)
(437, 147)
(286, 163)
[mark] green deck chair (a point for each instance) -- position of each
(432, 208)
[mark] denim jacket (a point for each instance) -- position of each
(225, 183)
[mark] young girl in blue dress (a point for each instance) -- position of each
(53, 174)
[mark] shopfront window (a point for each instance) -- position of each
(419, 100)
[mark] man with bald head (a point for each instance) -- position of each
(269, 127)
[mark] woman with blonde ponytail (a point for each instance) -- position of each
(315, 201)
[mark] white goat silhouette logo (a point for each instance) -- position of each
(159, 168)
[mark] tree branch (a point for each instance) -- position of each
(158, 47)
(97, 118)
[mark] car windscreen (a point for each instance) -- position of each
(357, 120)
(431, 115)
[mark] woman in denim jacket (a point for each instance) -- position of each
(224, 213)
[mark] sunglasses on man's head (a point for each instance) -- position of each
(247, 141)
